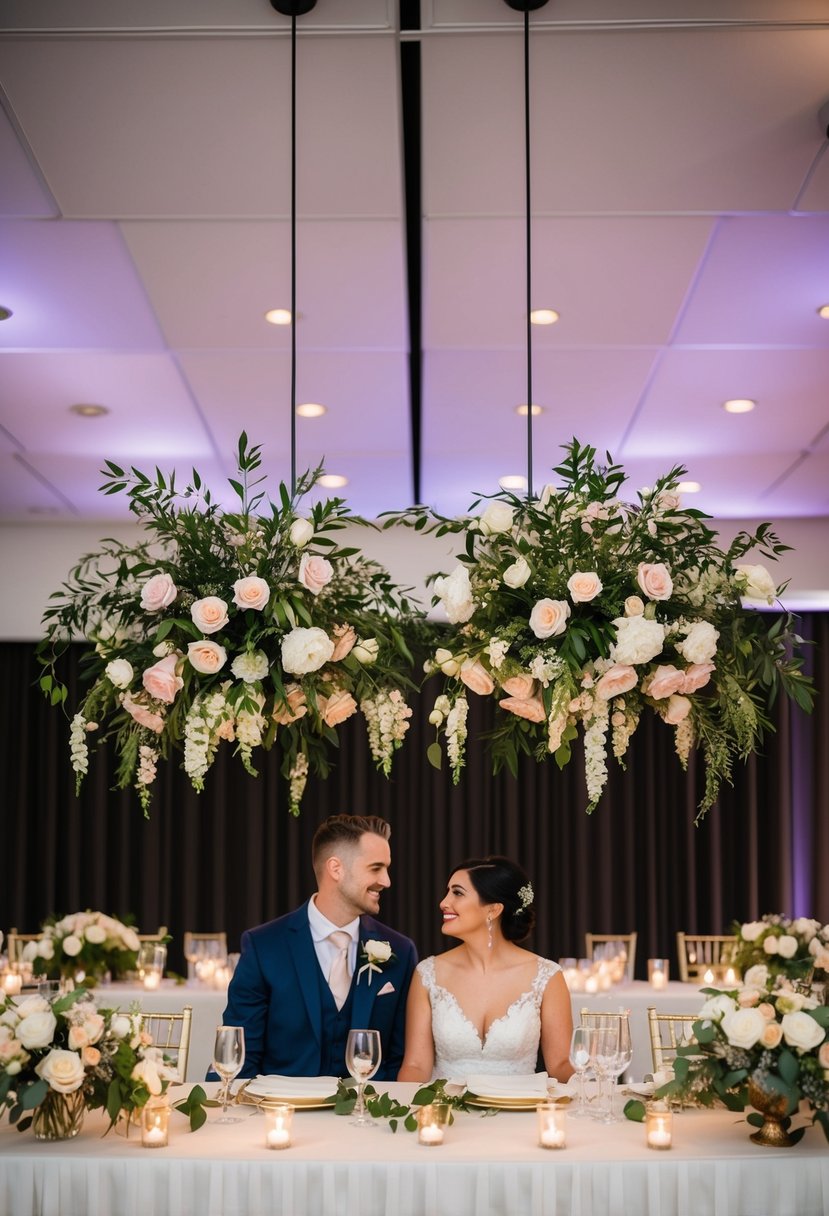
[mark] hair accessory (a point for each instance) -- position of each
(526, 895)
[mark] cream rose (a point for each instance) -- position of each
(634, 606)
(344, 639)
(161, 681)
(756, 582)
(210, 614)
(95, 934)
(379, 951)
(476, 677)
(716, 1007)
(770, 944)
(314, 572)
(757, 976)
(744, 1027)
(497, 517)
(455, 593)
(519, 686)
(751, 930)
(251, 592)
(548, 618)
(366, 651)
(655, 580)
(787, 946)
(158, 593)
(517, 574)
(46, 948)
(676, 710)
(336, 708)
(146, 1071)
(302, 530)
(638, 640)
(72, 945)
(121, 1026)
(119, 672)
(700, 643)
(800, 1030)
(584, 585)
(305, 650)
(63, 1070)
(37, 1030)
(663, 682)
(206, 657)
(695, 677)
(531, 708)
(618, 679)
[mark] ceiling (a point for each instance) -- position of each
(680, 227)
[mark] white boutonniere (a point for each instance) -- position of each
(376, 954)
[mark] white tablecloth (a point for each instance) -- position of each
(487, 1167)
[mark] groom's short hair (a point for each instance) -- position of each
(339, 830)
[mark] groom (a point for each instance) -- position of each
(304, 980)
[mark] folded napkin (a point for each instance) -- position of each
(495, 1085)
(292, 1087)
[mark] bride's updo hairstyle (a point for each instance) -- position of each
(498, 880)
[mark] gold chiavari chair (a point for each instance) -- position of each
(628, 940)
(190, 940)
(700, 952)
(171, 1033)
(16, 944)
(160, 937)
(669, 1031)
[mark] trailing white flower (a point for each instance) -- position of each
(78, 748)
(624, 720)
(297, 780)
(456, 736)
(595, 750)
(249, 726)
(497, 650)
(201, 735)
(684, 740)
(387, 716)
(546, 668)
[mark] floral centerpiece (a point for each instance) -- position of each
(763, 1044)
(230, 626)
(580, 611)
(84, 946)
(780, 946)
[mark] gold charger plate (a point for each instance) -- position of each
(299, 1103)
(499, 1102)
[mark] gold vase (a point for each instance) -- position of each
(773, 1109)
(59, 1116)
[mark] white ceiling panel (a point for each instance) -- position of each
(483, 14)
(21, 191)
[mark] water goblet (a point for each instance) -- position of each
(228, 1059)
(363, 1053)
(621, 1061)
(604, 1043)
(580, 1058)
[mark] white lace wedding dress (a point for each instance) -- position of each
(511, 1043)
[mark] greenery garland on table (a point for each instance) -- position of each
(384, 1106)
(232, 626)
(579, 610)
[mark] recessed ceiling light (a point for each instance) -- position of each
(522, 410)
(689, 487)
(5, 313)
(513, 481)
(544, 316)
(823, 311)
(278, 316)
(739, 405)
(333, 481)
(85, 410)
(311, 409)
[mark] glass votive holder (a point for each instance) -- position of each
(12, 983)
(552, 1125)
(279, 1118)
(154, 1122)
(659, 970)
(432, 1121)
(658, 1130)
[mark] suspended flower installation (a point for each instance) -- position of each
(579, 611)
(230, 626)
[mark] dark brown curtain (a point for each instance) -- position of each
(233, 856)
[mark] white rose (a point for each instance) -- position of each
(700, 643)
(517, 574)
(455, 593)
(72, 945)
(31, 951)
(744, 1027)
(30, 1005)
(146, 1071)
(800, 1030)
(164, 648)
(250, 666)
(757, 583)
(548, 618)
(63, 1070)
(95, 934)
(787, 946)
(496, 518)
(46, 949)
(131, 939)
(120, 1026)
(305, 650)
(584, 585)
(757, 976)
(716, 1007)
(366, 650)
(37, 1030)
(210, 614)
(750, 931)
(770, 944)
(634, 605)
(206, 657)
(638, 640)
(380, 951)
(120, 673)
(805, 927)
(302, 530)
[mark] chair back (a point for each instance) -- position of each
(193, 940)
(171, 1033)
(667, 1032)
(627, 940)
(159, 937)
(701, 952)
(16, 944)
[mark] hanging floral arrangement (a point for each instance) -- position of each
(230, 627)
(580, 611)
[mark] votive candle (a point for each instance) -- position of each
(152, 980)
(12, 984)
(278, 1122)
(658, 972)
(552, 1125)
(154, 1122)
(432, 1121)
(658, 1128)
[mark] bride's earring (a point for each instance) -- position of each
(489, 931)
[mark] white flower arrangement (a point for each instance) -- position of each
(88, 944)
(778, 945)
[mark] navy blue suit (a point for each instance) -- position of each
(280, 996)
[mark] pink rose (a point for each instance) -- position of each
(476, 677)
(616, 680)
(696, 676)
(655, 580)
(519, 686)
(767, 1010)
(584, 586)
(549, 618)
(161, 680)
(296, 708)
(142, 715)
(251, 592)
(748, 998)
(315, 573)
(677, 710)
(210, 614)
(531, 708)
(336, 708)
(158, 593)
(344, 639)
(664, 681)
(206, 657)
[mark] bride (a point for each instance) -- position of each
(487, 1005)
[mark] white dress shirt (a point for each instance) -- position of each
(327, 952)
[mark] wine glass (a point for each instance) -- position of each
(363, 1053)
(228, 1058)
(580, 1058)
(604, 1042)
(621, 1061)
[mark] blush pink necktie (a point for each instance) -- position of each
(339, 981)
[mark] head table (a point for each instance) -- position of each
(488, 1166)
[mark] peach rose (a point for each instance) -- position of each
(315, 573)
(664, 681)
(618, 679)
(336, 708)
(161, 680)
(772, 1035)
(655, 580)
(584, 586)
(747, 998)
(251, 592)
(296, 708)
(823, 1055)
(530, 708)
(210, 614)
(90, 1057)
(767, 1011)
(696, 676)
(206, 657)
(344, 639)
(549, 618)
(677, 710)
(158, 593)
(142, 715)
(519, 686)
(78, 1038)
(476, 677)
